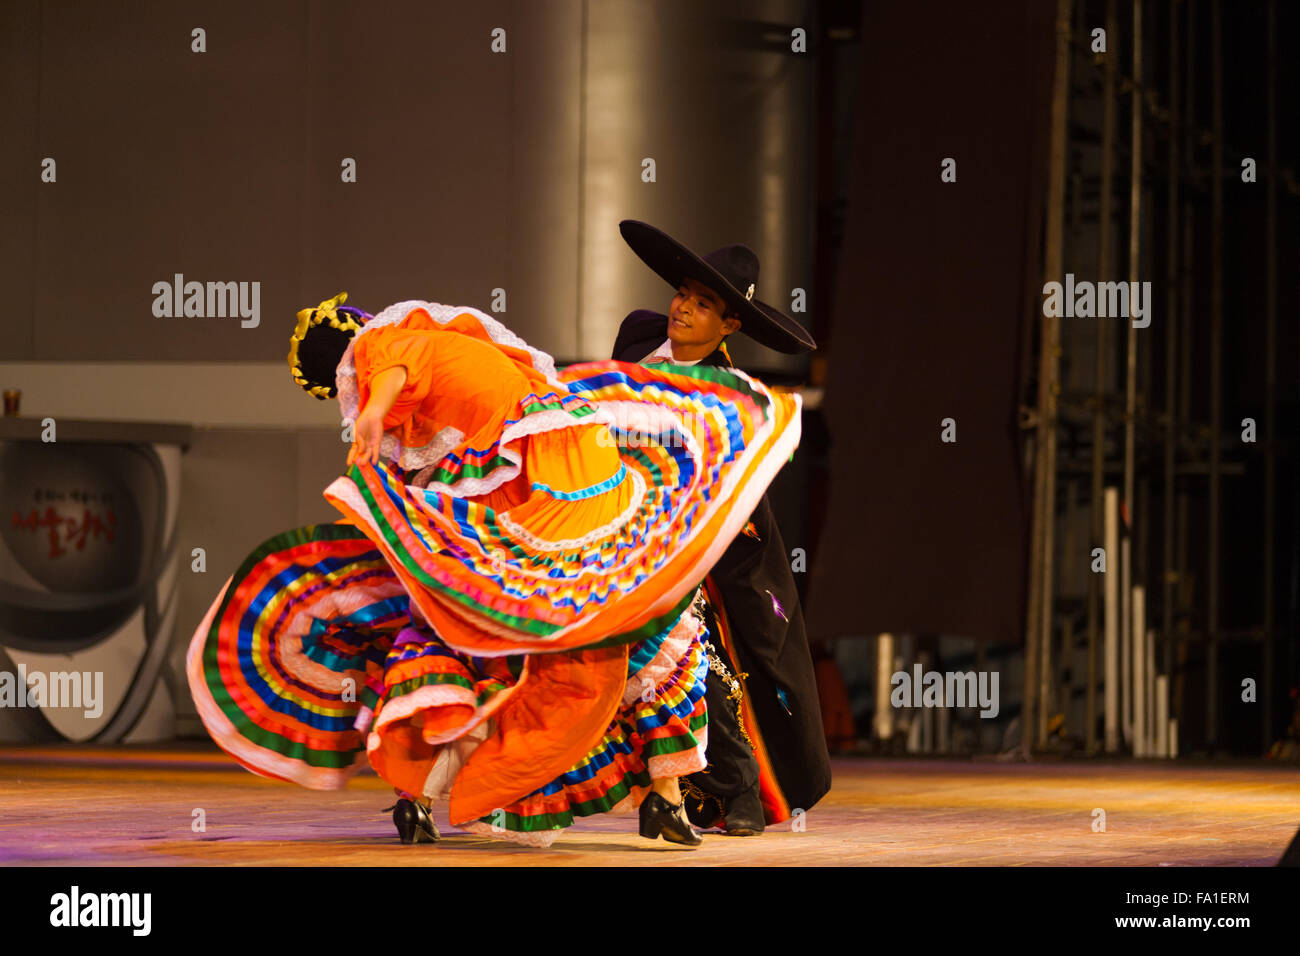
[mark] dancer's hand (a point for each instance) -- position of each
(367, 434)
(368, 431)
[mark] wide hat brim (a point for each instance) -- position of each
(674, 263)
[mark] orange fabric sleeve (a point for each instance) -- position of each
(391, 347)
(449, 366)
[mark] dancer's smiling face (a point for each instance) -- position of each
(696, 317)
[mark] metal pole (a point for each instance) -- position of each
(1027, 726)
(1183, 503)
(1048, 385)
(1130, 390)
(1216, 377)
(1161, 728)
(1149, 741)
(1270, 375)
(1099, 407)
(1171, 355)
(1139, 628)
(1063, 674)
(884, 722)
(1044, 480)
(1112, 657)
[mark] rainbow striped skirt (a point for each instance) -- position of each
(527, 672)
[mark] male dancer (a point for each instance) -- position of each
(766, 748)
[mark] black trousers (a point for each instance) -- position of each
(732, 768)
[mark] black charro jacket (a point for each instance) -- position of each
(781, 685)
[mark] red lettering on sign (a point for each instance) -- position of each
(74, 531)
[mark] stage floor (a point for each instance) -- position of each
(82, 806)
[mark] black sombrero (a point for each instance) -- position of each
(731, 271)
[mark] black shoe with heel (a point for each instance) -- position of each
(744, 814)
(661, 818)
(413, 822)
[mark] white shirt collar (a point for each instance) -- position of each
(665, 354)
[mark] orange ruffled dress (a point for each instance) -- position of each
(505, 616)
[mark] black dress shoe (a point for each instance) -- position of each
(661, 818)
(413, 822)
(744, 816)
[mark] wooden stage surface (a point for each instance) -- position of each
(73, 805)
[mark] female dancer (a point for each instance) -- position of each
(503, 617)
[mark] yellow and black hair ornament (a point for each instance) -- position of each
(319, 340)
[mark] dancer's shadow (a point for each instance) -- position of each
(471, 842)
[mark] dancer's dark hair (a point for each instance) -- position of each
(318, 342)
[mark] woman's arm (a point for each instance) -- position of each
(368, 430)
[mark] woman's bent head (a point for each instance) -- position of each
(319, 340)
